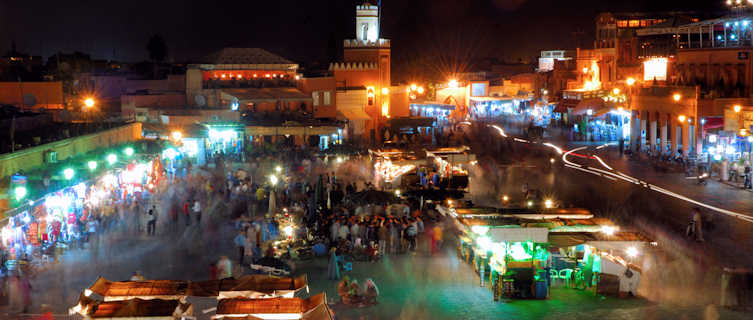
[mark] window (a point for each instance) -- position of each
(644, 23)
(634, 23)
(622, 23)
(364, 32)
(327, 98)
(315, 97)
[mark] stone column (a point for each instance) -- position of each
(634, 133)
(652, 134)
(686, 139)
(642, 131)
(664, 131)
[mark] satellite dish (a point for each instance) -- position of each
(200, 100)
(29, 100)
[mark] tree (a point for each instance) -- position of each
(157, 51)
(157, 48)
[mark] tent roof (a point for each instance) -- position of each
(244, 56)
(210, 288)
(107, 288)
(137, 308)
(266, 94)
(242, 306)
(353, 114)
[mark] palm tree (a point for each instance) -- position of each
(157, 50)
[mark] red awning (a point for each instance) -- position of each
(713, 123)
(565, 104)
(594, 104)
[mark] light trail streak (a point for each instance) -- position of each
(501, 132)
(619, 175)
(602, 162)
(604, 145)
(558, 149)
(564, 157)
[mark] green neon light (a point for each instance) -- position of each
(518, 252)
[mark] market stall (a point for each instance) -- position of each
(523, 255)
(313, 308)
(133, 309)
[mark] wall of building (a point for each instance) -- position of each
(49, 95)
(399, 102)
(129, 102)
(364, 54)
(356, 78)
(33, 158)
(731, 65)
(309, 85)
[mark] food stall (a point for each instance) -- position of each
(313, 308)
(522, 255)
(133, 309)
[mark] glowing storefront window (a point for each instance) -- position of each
(655, 68)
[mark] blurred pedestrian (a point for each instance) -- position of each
(197, 210)
(224, 268)
(240, 243)
(151, 225)
(333, 268)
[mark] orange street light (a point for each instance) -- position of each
(177, 135)
(385, 91)
(453, 84)
(630, 81)
(420, 90)
(676, 97)
(89, 102)
(681, 118)
(413, 87)
(616, 91)
(737, 108)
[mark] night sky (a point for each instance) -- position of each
(437, 33)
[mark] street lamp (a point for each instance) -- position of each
(385, 91)
(68, 173)
(681, 118)
(129, 151)
(177, 135)
(616, 91)
(452, 84)
(92, 165)
(630, 81)
(676, 97)
(20, 193)
(112, 158)
(737, 108)
(89, 102)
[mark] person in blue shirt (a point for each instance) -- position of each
(240, 242)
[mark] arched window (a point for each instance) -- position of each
(364, 32)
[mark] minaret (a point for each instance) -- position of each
(367, 23)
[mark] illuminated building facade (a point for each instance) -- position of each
(362, 80)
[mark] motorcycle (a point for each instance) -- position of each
(702, 179)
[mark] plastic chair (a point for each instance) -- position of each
(566, 274)
(553, 275)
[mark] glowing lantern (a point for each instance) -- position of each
(68, 173)
(480, 230)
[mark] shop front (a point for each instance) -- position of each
(524, 256)
(489, 108)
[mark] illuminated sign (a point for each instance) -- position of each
(655, 68)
